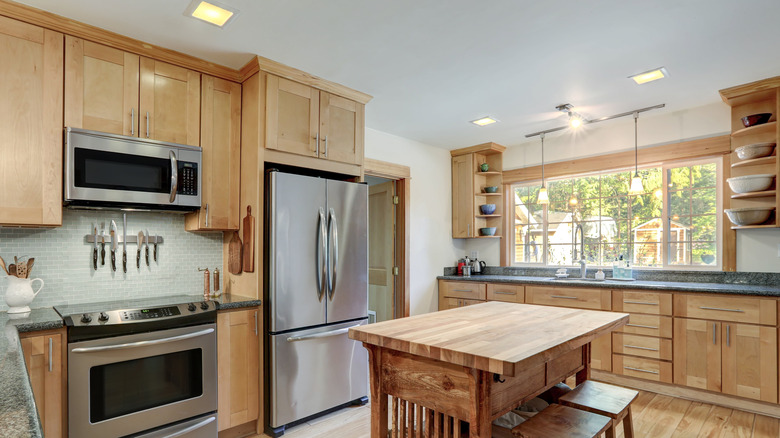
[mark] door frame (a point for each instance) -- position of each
(402, 177)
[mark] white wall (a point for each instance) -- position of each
(756, 249)
(431, 244)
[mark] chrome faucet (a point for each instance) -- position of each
(582, 262)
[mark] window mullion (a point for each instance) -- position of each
(665, 222)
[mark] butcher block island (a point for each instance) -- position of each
(473, 364)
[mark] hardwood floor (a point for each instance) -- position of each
(655, 416)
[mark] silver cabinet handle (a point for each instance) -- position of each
(714, 334)
(501, 292)
(132, 121)
(468, 230)
(207, 215)
(317, 141)
(147, 124)
(564, 297)
(333, 258)
(642, 326)
(321, 256)
(326, 146)
(321, 335)
(188, 429)
(174, 175)
(721, 309)
(640, 348)
(143, 343)
(646, 303)
(641, 370)
(51, 365)
(728, 336)
(255, 322)
(462, 290)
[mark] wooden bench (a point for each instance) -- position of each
(558, 421)
(604, 399)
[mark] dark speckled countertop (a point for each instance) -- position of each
(18, 414)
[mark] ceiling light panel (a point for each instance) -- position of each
(211, 12)
(649, 76)
(484, 121)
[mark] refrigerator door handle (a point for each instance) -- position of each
(321, 256)
(333, 253)
(321, 335)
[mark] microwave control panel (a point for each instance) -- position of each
(188, 179)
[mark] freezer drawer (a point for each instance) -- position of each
(314, 370)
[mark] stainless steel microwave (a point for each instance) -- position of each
(116, 171)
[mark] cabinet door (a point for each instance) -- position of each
(31, 77)
(43, 358)
(697, 353)
(462, 196)
(341, 129)
(169, 102)
(101, 88)
(238, 345)
(750, 361)
(220, 139)
(292, 117)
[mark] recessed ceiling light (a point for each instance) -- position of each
(649, 76)
(211, 12)
(484, 121)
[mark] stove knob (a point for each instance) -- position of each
(191, 307)
(86, 318)
(103, 317)
(204, 305)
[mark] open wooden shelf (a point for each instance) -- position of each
(758, 129)
(486, 237)
(488, 215)
(489, 172)
(756, 161)
(488, 194)
(746, 227)
(764, 194)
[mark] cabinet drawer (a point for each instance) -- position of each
(645, 346)
(505, 292)
(648, 325)
(581, 298)
(654, 303)
(751, 310)
(451, 303)
(462, 289)
(643, 368)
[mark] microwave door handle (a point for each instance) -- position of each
(174, 175)
(143, 343)
(186, 430)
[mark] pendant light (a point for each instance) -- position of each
(542, 197)
(636, 181)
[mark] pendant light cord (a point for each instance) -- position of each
(542, 137)
(636, 146)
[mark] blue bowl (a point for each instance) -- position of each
(488, 231)
(491, 189)
(488, 208)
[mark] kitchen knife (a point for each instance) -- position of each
(138, 254)
(124, 243)
(102, 244)
(95, 250)
(146, 242)
(155, 250)
(113, 230)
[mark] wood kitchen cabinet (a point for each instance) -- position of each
(220, 139)
(468, 190)
(303, 120)
(44, 354)
(31, 123)
(113, 91)
(238, 362)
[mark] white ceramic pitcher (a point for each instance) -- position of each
(19, 293)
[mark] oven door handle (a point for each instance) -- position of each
(143, 343)
(189, 429)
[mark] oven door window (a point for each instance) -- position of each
(122, 388)
(110, 170)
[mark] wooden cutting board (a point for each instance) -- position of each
(249, 241)
(234, 254)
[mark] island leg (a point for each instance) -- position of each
(584, 374)
(378, 397)
(479, 411)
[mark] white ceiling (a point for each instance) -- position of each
(434, 65)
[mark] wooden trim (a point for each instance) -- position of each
(484, 149)
(239, 431)
(728, 236)
(719, 145)
(687, 393)
(279, 157)
(506, 257)
(384, 169)
(731, 95)
(58, 23)
(258, 63)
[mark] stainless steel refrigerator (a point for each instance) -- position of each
(317, 288)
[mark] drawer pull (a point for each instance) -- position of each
(564, 297)
(640, 348)
(642, 326)
(647, 303)
(641, 370)
(501, 292)
(463, 290)
(722, 310)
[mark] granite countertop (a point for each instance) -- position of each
(738, 289)
(18, 414)
(233, 301)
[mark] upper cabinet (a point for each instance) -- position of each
(303, 120)
(112, 91)
(477, 202)
(31, 123)
(220, 138)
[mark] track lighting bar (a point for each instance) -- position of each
(588, 122)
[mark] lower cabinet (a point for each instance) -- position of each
(44, 354)
(238, 362)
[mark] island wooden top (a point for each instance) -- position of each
(493, 336)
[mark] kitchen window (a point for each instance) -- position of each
(674, 223)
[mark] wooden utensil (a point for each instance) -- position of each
(249, 241)
(234, 254)
(2, 264)
(12, 270)
(30, 264)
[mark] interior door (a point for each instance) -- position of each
(381, 245)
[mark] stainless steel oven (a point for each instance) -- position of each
(156, 381)
(116, 171)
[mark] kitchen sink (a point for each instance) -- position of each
(576, 279)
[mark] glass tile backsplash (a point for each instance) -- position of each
(63, 258)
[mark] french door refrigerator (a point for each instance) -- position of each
(317, 288)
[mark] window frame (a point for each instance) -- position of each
(664, 166)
